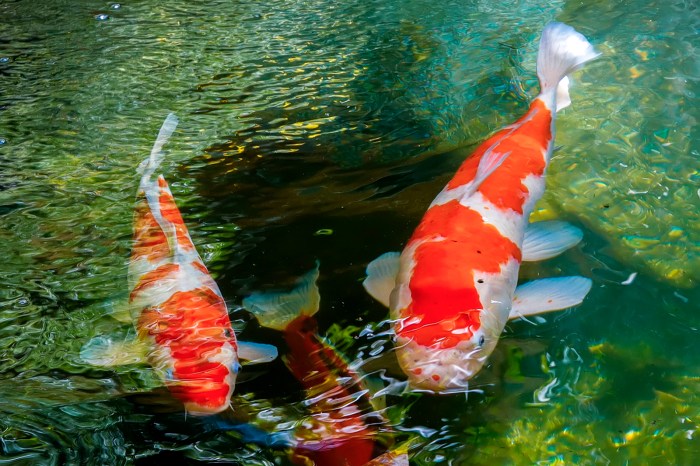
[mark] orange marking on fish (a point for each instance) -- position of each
(192, 324)
(153, 277)
(149, 240)
(211, 395)
(201, 267)
(450, 299)
(505, 188)
(170, 212)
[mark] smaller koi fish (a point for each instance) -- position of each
(344, 428)
(181, 319)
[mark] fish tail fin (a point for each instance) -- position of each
(276, 310)
(562, 51)
(151, 164)
(151, 189)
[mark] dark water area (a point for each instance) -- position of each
(322, 131)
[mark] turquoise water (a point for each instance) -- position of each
(322, 131)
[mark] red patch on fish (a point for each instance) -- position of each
(201, 267)
(459, 244)
(170, 212)
(337, 433)
(192, 326)
(153, 278)
(149, 240)
(504, 188)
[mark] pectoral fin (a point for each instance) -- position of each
(544, 240)
(103, 351)
(381, 276)
(276, 310)
(548, 294)
(256, 353)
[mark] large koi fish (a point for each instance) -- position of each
(181, 319)
(344, 428)
(453, 288)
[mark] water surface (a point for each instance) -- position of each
(322, 131)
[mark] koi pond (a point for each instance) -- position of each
(320, 132)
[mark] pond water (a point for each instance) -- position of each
(313, 130)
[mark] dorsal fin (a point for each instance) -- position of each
(490, 161)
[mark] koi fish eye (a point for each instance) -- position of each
(482, 340)
(235, 367)
(228, 333)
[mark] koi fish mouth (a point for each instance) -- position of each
(203, 399)
(440, 370)
(196, 409)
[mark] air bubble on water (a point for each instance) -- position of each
(115, 6)
(3, 141)
(4, 59)
(102, 17)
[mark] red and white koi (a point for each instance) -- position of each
(179, 313)
(344, 428)
(453, 288)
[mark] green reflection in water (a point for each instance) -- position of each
(304, 117)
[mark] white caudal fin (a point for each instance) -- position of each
(562, 51)
(151, 164)
(102, 351)
(276, 310)
(548, 294)
(381, 276)
(150, 188)
(256, 353)
(544, 240)
(563, 97)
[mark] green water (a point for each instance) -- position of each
(299, 117)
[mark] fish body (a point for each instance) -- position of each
(180, 316)
(176, 305)
(343, 427)
(455, 281)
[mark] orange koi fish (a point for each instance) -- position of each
(344, 427)
(180, 316)
(453, 288)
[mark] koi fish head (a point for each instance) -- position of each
(447, 364)
(194, 349)
(204, 384)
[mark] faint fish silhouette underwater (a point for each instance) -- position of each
(183, 326)
(344, 427)
(453, 288)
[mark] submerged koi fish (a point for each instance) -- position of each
(453, 287)
(183, 326)
(344, 427)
